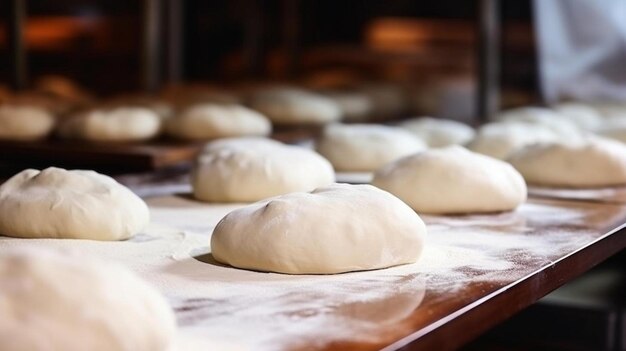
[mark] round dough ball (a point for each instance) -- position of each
(251, 169)
(56, 203)
(335, 229)
(117, 124)
(542, 116)
(500, 139)
(584, 116)
(24, 123)
(437, 132)
(295, 106)
(212, 121)
(594, 162)
(51, 301)
(388, 100)
(355, 106)
(365, 147)
(453, 180)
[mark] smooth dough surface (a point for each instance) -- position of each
(439, 132)
(594, 162)
(354, 105)
(584, 116)
(365, 147)
(212, 121)
(500, 139)
(453, 180)
(545, 117)
(335, 229)
(251, 169)
(62, 301)
(57, 203)
(295, 106)
(117, 124)
(24, 123)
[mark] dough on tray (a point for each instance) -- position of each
(64, 301)
(251, 169)
(500, 139)
(453, 180)
(335, 229)
(292, 106)
(117, 124)
(212, 121)
(57, 203)
(593, 162)
(365, 147)
(24, 123)
(439, 132)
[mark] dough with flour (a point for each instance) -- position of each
(453, 180)
(335, 229)
(251, 169)
(291, 106)
(212, 121)
(439, 132)
(365, 147)
(500, 139)
(593, 162)
(584, 116)
(54, 301)
(24, 123)
(117, 124)
(560, 125)
(57, 203)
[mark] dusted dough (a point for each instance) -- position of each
(335, 229)
(355, 106)
(251, 169)
(295, 106)
(594, 162)
(50, 301)
(365, 147)
(500, 139)
(545, 117)
(117, 124)
(438, 132)
(56, 203)
(584, 116)
(453, 180)
(212, 121)
(24, 123)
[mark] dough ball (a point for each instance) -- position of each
(355, 106)
(500, 139)
(594, 162)
(365, 147)
(584, 116)
(388, 100)
(161, 107)
(118, 124)
(295, 106)
(438, 132)
(542, 116)
(54, 301)
(212, 121)
(24, 123)
(453, 180)
(335, 229)
(56, 203)
(251, 169)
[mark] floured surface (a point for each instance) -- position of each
(245, 310)
(608, 194)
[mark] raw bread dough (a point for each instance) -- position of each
(550, 119)
(453, 180)
(500, 139)
(24, 123)
(438, 132)
(593, 162)
(335, 229)
(365, 147)
(388, 100)
(117, 124)
(295, 106)
(584, 116)
(251, 169)
(56, 203)
(212, 121)
(51, 301)
(355, 106)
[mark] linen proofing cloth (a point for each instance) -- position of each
(582, 49)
